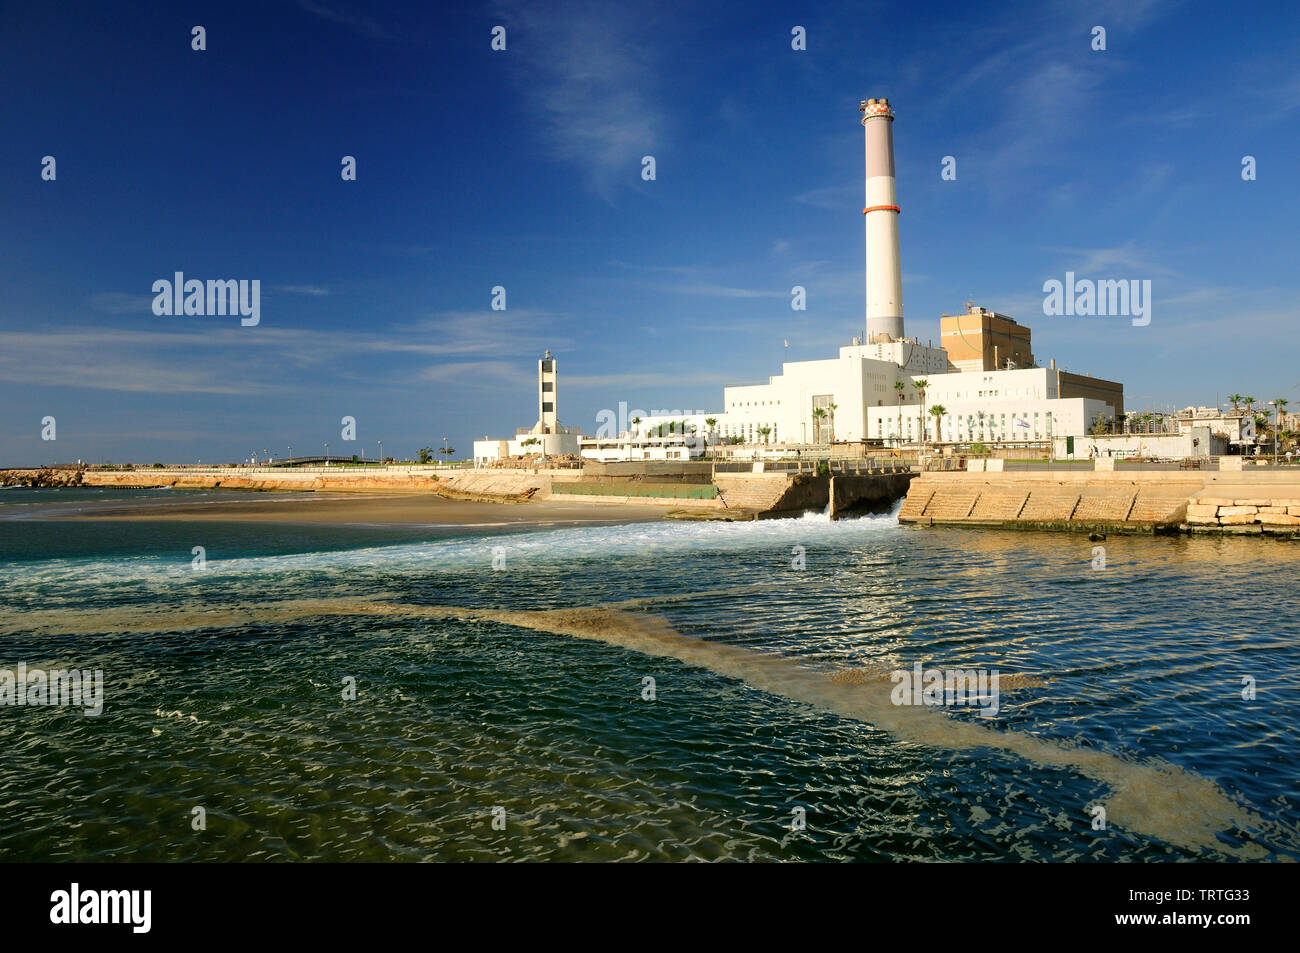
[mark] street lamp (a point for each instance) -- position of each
(1277, 422)
(291, 452)
(381, 453)
(327, 454)
(445, 454)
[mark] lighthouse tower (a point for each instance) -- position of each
(884, 274)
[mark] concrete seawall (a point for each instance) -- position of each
(1132, 501)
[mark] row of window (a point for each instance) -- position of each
(749, 432)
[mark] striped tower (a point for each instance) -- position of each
(884, 274)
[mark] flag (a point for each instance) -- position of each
(1021, 423)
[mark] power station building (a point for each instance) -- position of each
(983, 373)
(880, 389)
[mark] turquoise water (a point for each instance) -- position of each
(223, 690)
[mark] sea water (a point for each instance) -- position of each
(652, 691)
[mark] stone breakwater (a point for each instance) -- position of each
(1260, 501)
(498, 486)
(42, 476)
(1245, 510)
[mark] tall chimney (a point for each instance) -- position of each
(884, 274)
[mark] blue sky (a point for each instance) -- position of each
(522, 169)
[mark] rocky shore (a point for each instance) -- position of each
(44, 476)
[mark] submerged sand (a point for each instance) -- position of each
(1156, 799)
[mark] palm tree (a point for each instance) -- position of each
(764, 431)
(1249, 402)
(937, 411)
(712, 422)
(1236, 399)
(424, 454)
(898, 390)
(921, 386)
(831, 410)
(636, 425)
(818, 413)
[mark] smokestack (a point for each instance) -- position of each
(884, 274)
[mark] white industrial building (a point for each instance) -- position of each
(984, 377)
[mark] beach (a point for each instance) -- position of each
(411, 509)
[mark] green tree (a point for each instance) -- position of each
(764, 431)
(921, 386)
(818, 414)
(1236, 400)
(937, 412)
(424, 454)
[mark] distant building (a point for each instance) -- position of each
(1234, 426)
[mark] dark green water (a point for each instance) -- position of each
(241, 712)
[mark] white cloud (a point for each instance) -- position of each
(590, 74)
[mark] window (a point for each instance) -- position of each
(547, 387)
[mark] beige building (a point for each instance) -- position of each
(983, 340)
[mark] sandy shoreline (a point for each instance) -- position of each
(393, 509)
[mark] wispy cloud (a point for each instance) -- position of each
(356, 22)
(835, 198)
(118, 302)
(314, 291)
(1127, 257)
(590, 74)
(213, 359)
(480, 372)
